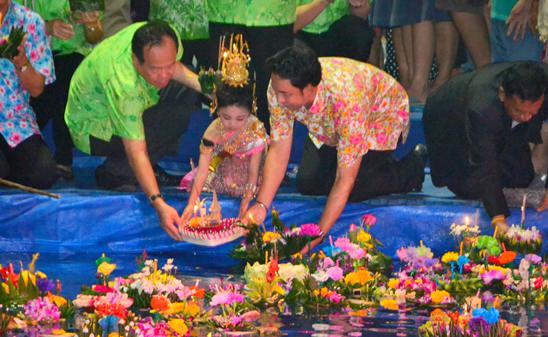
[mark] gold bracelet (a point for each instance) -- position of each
(262, 204)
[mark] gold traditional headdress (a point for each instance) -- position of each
(233, 65)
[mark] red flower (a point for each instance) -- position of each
(538, 282)
(369, 220)
(272, 270)
(9, 274)
(102, 289)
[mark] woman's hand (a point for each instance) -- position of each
(243, 206)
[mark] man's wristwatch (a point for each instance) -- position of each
(153, 197)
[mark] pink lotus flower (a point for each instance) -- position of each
(310, 230)
(335, 297)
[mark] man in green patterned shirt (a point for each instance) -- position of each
(109, 93)
(189, 18)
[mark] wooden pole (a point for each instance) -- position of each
(28, 189)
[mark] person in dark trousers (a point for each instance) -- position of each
(478, 128)
(356, 116)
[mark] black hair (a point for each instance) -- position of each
(526, 80)
(299, 64)
(239, 96)
(149, 35)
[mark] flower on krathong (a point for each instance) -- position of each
(106, 268)
(450, 257)
(440, 296)
(310, 230)
(271, 237)
(533, 258)
(178, 326)
(42, 310)
(45, 285)
(360, 277)
(369, 220)
(492, 275)
(226, 297)
(160, 303)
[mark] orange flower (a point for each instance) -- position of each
(159, 303)
(195, 222)
(198, 292)
(438, 315)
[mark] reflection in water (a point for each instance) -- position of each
(77, 270)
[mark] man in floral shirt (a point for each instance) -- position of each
(356, 115)
(24, 157)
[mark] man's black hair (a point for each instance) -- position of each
(239, 96)
(525, 80)
(298, 64)
(150, 35)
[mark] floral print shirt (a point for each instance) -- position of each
(17, 119)
(253, 13)
(357, 108)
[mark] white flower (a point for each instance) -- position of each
(320, 276)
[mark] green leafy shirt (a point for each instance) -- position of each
(252, 13)
(51, 10)
(107, 95)
(187, 16)
(327, 17)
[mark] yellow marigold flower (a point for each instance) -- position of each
(408, 282)
(450, 257)
(192, 309)
(106, 268)
(113, 334)
(393, 283)
(363, 237)
(178, 326)
(360, 277)
(389, 304)
(439, 296)
(418, 281)
(39, 274)
(271, 237)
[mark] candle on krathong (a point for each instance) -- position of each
(523, 210)
(467, 221)
(461, 248)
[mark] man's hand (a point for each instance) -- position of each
(20, 60)
(499, 223)
(169, 219)
(306, 249)
(187, 214)
(518, 20)
(544, 204)
(60, 29)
